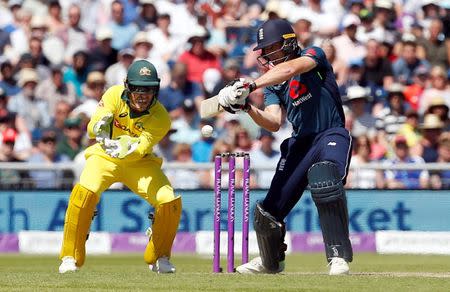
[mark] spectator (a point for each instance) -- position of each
(182, 178)
(46, 153)
(377, 71)
(347, 40)
(230, 72)
(77, 73)
(392, 116)
(202, 149)
(436, 48)
(198, 58)
(26, 104)
(53, 89)
(167, 46)
(122, 33)
(413, 92)
(407, 62)
(116, 73)
(187, 124)
(54, 20)
(441, 179)
(363, 178)
(439, 88)
(405, 179)
(431, 129)
(363, 122)
(8, 83)
(61, 113)
(303, 29)
(166, 146)
(143, 50)
(339, 66)
(71, 144)
(265, 156)
(242, 140)
(410, 129)
(93, 91)
(75, 38)
(148, 15)
(211, 77)
(103, 54)
(11, 178)
(384, 13)
(438, 107)
(179, 90)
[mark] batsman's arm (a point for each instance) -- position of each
(285, 71)
(271, 118)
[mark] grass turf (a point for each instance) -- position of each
(304, 272)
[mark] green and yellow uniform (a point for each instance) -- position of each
(140, 171)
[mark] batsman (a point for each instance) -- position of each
(128, 122)
(299, 85)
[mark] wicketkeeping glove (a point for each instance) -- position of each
(102, 129)
(120, 147)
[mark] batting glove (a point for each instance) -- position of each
(102, 129)
(241, 89)
(120, 147)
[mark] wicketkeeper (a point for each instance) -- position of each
(128, 122)
(300, 85)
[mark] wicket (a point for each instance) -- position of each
(231, 208)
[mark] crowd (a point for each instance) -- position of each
(391, 59)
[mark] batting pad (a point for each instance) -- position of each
(164, 229)
(78, 219)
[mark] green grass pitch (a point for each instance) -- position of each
(304, 272)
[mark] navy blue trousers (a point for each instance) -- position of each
(297, 156)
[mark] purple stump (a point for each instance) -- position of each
(217, 201)
(231, 211)
(245, 207)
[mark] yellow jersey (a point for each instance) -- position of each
(150, 126)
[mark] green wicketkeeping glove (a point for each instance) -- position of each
(102, 129)
(120, 147)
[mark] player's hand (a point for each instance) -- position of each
(241, 90)
(102, 129)
(120, 147)
(225, 96)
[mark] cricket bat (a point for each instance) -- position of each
(210, 107)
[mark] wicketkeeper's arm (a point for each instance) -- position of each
(104, 112)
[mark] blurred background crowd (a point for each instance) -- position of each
(391, 59)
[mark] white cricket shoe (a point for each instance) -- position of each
(338, 266)
(255, 266)
(67, 265)
(162, 266)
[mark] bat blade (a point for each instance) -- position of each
(210, 107)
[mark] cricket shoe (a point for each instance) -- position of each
(162, 266)
(255, 266)
(338, 266)
(67, 265)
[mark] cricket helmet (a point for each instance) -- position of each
(276, 31)
(142, 78)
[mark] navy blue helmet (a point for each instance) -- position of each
(276, 31)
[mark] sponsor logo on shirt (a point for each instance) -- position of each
(298, 92)
(137, 126)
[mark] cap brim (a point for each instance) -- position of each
(264, 44)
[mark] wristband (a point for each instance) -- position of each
(252, 86)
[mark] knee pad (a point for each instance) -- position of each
(80, 211)
(325, 182)
(328, 194)
(164, 228)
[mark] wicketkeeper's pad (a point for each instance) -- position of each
(164, 228)
(78, 219)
